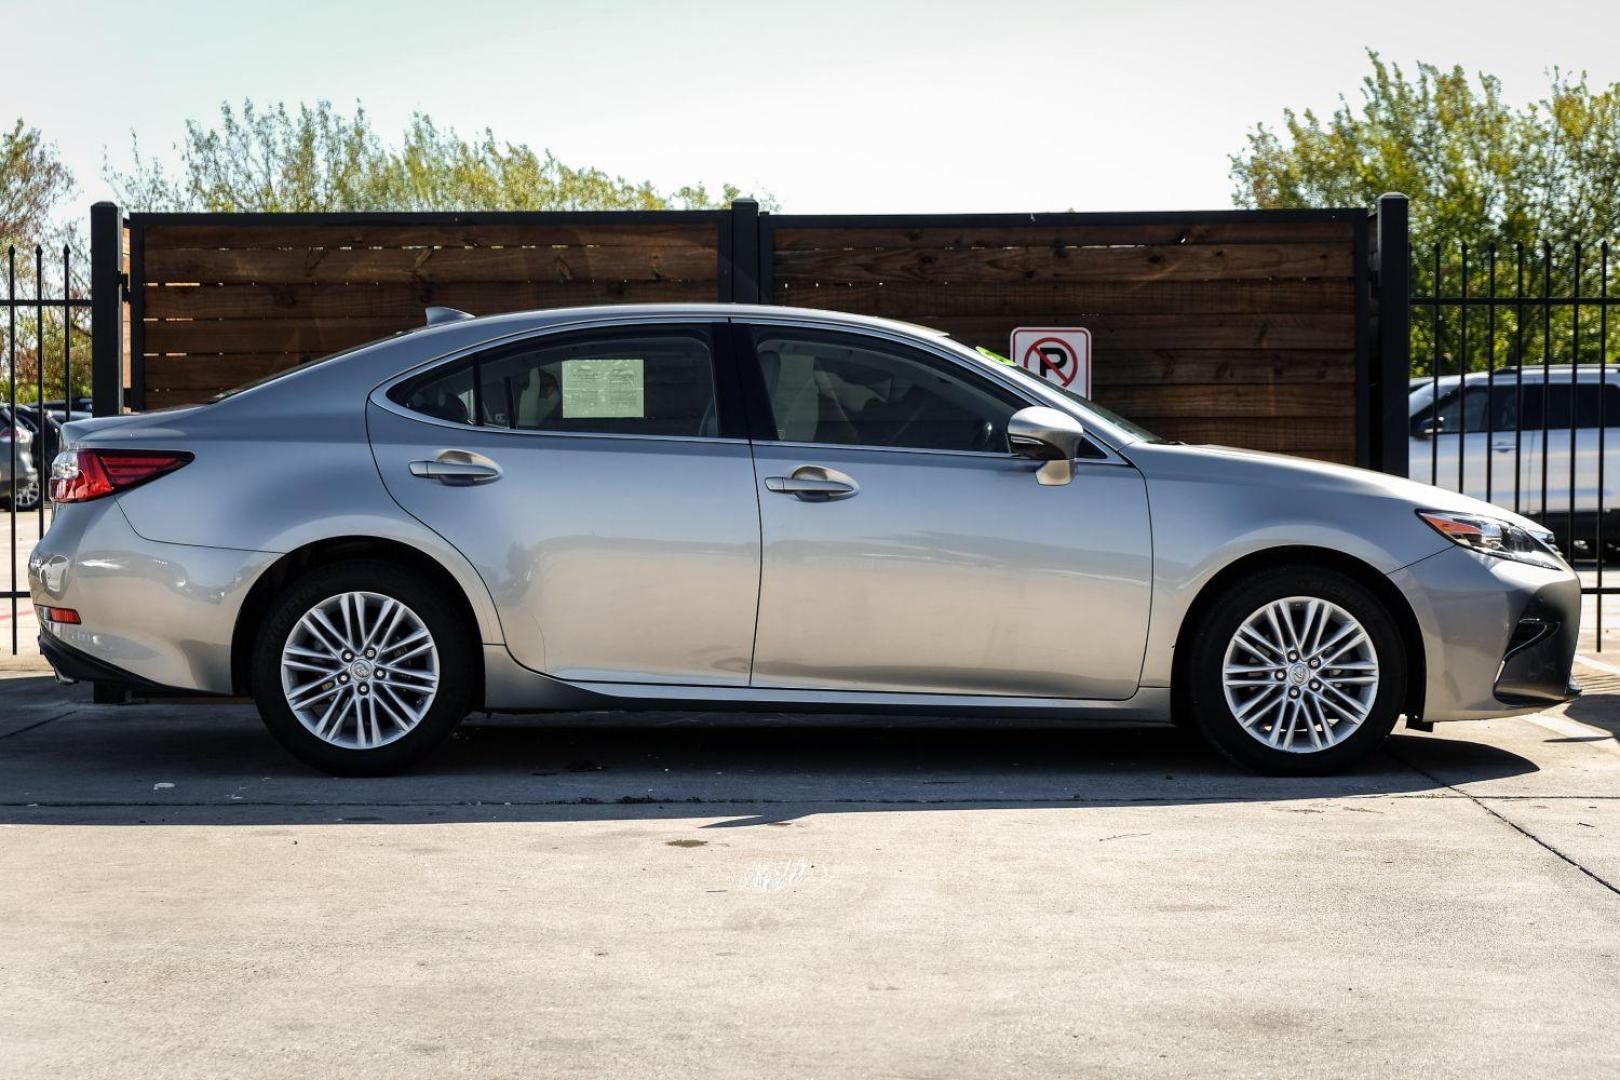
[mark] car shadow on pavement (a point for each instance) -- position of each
(65, 761)
(1596, 710)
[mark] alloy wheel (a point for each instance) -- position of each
(28, 496)
(360, 670)
(1300, 674)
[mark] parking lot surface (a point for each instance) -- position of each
(575, 897)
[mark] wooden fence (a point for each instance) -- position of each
(1245, 328)
(1239, 331)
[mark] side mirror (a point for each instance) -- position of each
(1049, 436)
(1425, 428)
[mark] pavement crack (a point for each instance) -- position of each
(41, 723)
(1515, 826)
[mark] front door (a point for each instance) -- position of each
(906, 550)
(602, 486)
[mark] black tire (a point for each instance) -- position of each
(453, 640)
(1206, 696)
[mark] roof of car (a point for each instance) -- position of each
(771, 312)
(1529, 372)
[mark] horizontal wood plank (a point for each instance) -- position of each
(239, 237)
(166, 399)
(1168, 331)
(1038, 234)
(382, 265)
(1282, 434)
(1241, 367)
(910, 300)
(1148, 403)
(407, 300)
(215, 373)
(268, 335)
(1187, 262)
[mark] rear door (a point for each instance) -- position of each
(1573, 416)
(600, 481)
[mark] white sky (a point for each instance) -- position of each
(832, 106)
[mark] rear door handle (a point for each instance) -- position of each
(812, 483)
(457, 468)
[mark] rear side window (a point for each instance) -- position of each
(1595, 405)
(642, 381)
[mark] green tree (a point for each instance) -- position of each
(34, 187)
(316, 158)
(1478, 169)
(1480, 172)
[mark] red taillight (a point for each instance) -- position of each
(82, 475)
(57, 614)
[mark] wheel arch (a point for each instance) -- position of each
(337, 549)
(1304, 555)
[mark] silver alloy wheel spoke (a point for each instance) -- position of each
(1300, 674)
(360, 670)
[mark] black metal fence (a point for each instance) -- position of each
(39, 362)
(1510, 394)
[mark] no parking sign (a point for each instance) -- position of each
(1059, 354)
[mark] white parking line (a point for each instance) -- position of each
(1608, 669)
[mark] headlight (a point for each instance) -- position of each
(1491, 536)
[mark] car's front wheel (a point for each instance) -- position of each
(361, 668)
(1296, 670)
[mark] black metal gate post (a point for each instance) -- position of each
(1394, 365)
(106, 309)
(741, 242)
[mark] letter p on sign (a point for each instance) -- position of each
(1059, 354)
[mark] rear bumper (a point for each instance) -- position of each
(152, 614)
(71, 665)
(1498, 636)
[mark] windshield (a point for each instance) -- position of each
(1109, 415)
(982, 356)
(1421, 396)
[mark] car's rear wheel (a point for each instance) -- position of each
(1296, 670)
(361, 668)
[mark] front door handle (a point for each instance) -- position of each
(457, 468)
(813, 483)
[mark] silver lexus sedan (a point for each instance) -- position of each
(761, 508)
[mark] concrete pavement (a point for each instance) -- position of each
(180, 898)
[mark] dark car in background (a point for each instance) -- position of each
(48, 436)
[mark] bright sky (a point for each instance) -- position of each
(830, 105)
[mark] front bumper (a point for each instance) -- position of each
(1498, 636)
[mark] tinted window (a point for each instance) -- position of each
(1595, 405)
(622, 382)
(834, 388)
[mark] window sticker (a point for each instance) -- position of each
(603, 388)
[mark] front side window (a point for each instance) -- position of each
(846, 390)
(645, 381)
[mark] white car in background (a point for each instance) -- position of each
(1507, 437)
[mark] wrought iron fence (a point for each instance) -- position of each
(1510, 394)
(31, 427)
